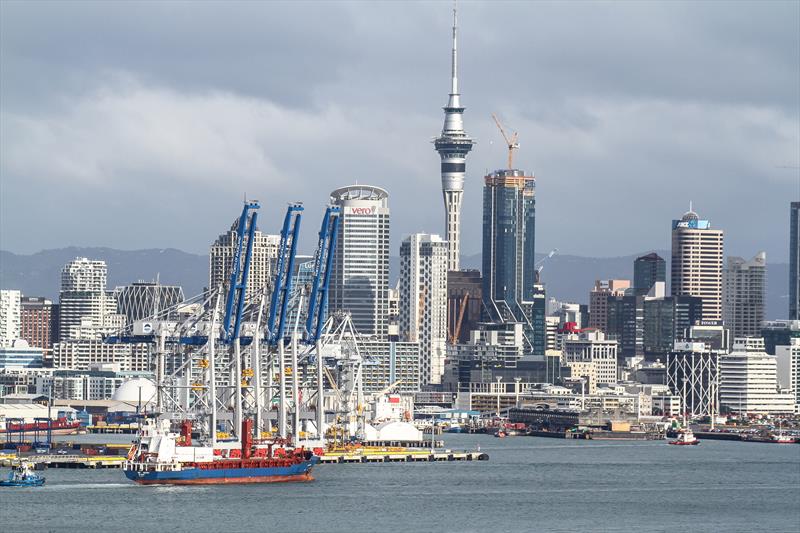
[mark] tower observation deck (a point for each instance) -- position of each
(453, 146)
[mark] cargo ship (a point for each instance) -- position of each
(60, 426)
(163, 457)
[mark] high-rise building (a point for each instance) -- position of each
(10, 310)
(84, 302)
(794, 261)
(626, 324)
(147, 299)
(744, 294)
(667, 320)
(39, 321)
(390, 362)
(360, 276)
(697, 262)
(647, 270)
(423, 301)
(453, 146)
(598, 300)
(464, 302)
(262, 262)
(509, 271)
(749, 380)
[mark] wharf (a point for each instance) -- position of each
(67, 461)
(407, 456)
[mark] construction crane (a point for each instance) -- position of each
(511, 143)
(540, 264)
(461, 310)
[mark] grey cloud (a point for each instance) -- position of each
(143, 124)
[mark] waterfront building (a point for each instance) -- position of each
(744, 295)
(388, 362)
(80, 354)
(794, 261)
(423, 301)
(464, 302)
(100, 382)
(693, 375)
(262, 261)
(360, 275)
(749, 380)
(697, 262)
(18, 354)
(453, 146)
(9, 316)
(143, 299)
(591, 356)
(509, 271)
(598, 300)
(779, 333)
(20, 380)
(667, 320)
(788, 358)
(647, 271)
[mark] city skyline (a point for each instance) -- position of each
(563, 134)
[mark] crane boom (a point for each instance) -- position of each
(511, 143)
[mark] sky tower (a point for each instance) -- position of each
(453, 146)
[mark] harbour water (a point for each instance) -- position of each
(529, 484)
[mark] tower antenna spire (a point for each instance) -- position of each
(453, 146)
(454, 69)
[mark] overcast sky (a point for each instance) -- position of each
(142, 125)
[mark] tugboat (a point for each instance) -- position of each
(23, 476)
(685, 438)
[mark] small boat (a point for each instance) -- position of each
(500, 434)
(685, 438)
(781, 438)
(23, 476)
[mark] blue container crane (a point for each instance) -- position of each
(237, 286)
(323, 263)
(284, 275)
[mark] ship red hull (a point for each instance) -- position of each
(229, 481)
(58, 427)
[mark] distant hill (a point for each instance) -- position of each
(567, 277)
(39, 274)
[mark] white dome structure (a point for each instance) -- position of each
(129, 391)
(393, 431)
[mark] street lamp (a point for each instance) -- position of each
(499, 379)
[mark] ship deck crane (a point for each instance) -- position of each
(510, 142)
